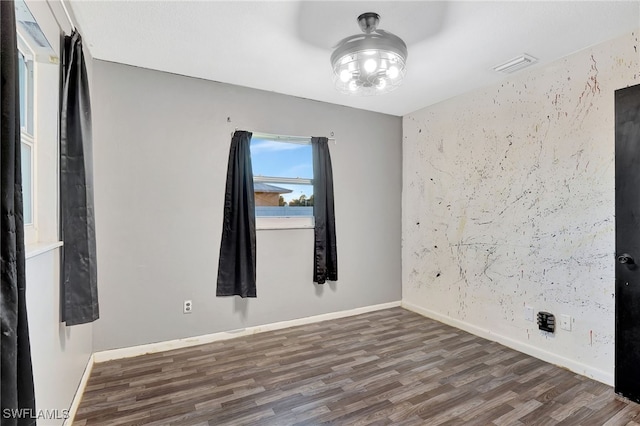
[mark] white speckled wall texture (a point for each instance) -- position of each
(508, 200)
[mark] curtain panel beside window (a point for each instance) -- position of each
(325, 248)
(79, 271)
(16, 390)
(237, 261)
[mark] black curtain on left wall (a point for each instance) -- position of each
(79, 262)
(16, 375)
(237, 261)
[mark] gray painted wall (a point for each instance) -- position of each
(161, 144)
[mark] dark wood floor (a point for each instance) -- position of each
(385, 367)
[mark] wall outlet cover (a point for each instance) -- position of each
(187, 307)
(565, 322)
(529, 313)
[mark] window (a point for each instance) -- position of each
(283, 181)
(27, 134)
(39, 79)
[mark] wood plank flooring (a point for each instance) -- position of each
(384, 367)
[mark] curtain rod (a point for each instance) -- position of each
(290, 138)
(274, 136)
(66, 12)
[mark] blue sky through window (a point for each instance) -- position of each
(281, 159)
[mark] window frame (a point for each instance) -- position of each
(43, 131)
(30, 138)
(283, 222)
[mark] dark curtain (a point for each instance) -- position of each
(79, 271)
(16, 375)
(237, 261)
(325, 249)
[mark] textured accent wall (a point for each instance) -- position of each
(508, 200)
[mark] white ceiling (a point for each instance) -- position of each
(284, 46)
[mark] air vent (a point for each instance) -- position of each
(32, 40)
(515, 64)
(33, 29)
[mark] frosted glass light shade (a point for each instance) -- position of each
(371, 63)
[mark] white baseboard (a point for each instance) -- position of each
(132, 351)
(577, 367)
(75, 403)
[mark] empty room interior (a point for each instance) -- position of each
(326, 212)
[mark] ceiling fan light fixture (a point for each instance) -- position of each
(371, 63)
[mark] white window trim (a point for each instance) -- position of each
(286, 222)
(39, 248)
(28, 139)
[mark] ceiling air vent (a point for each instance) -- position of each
(515, 64)
(31, 34)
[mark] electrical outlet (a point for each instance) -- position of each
(565, 322)
(187, 307)
(529, 313)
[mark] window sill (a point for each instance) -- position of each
(36, 249)
(271, 223)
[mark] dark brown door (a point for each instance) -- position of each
(627, 358)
